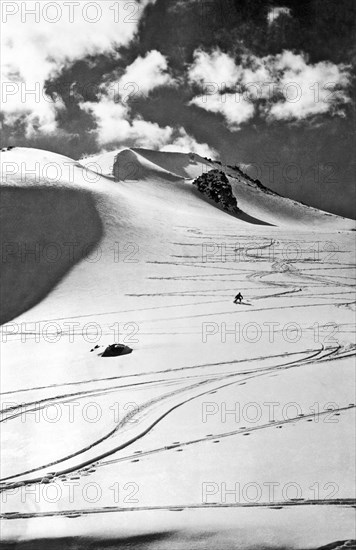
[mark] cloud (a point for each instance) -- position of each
(116, 125)
(113, 112)
(275, 12)
(147, 72)
(39, 39)
(282, 87)
(308, 89)
(216, 67)
(184, 143)
(233, 107)
(37, 111)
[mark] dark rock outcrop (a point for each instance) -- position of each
(215, 186)
(114, 350)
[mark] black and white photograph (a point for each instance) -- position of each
(178, 294)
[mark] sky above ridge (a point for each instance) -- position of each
(266, 85)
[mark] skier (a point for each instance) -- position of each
(238, 298)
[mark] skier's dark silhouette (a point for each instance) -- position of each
(238, 298)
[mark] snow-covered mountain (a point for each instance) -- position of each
(138, 255)
(262, 205)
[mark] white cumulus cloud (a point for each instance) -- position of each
(148, 72)
(276, 11)
(213, 68)
(39, 38)
(290, 87)
(184, 143)
(233, 107)
(115, 125)
(307, 89)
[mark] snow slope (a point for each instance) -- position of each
(262, 205)
(149, 443)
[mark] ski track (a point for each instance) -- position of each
(152, 402)
(340, 502)
(296, 284)
(240, 431)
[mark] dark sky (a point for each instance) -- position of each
(304, 154)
